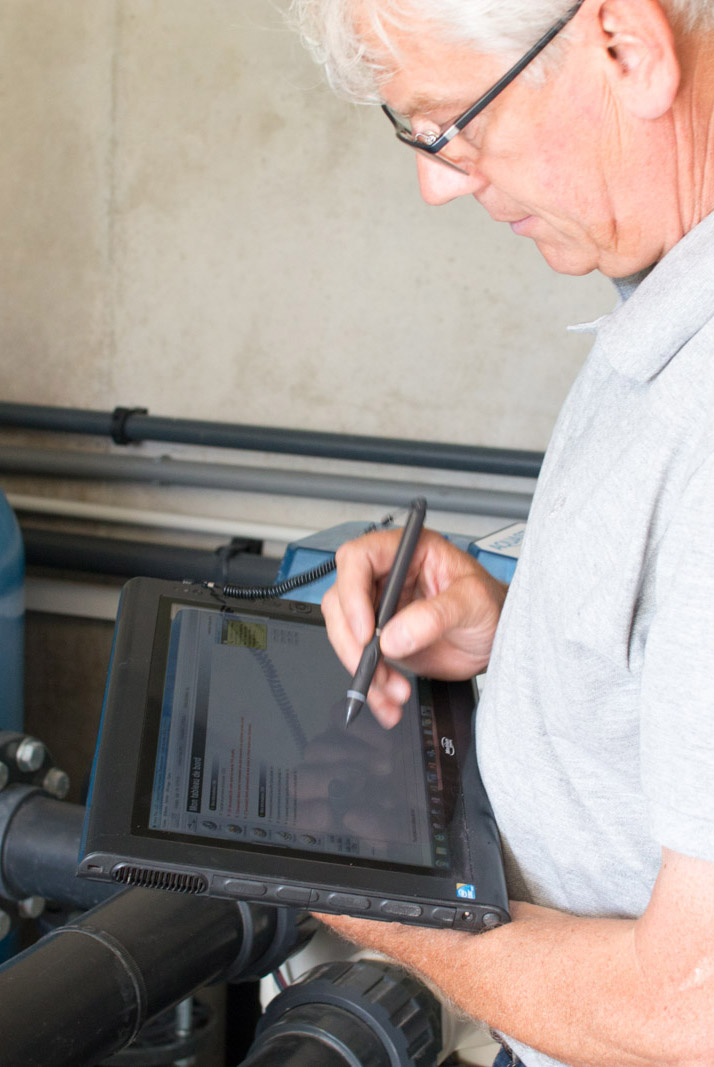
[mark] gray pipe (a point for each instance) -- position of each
(163, 470)
(113, 555)
(125, 425)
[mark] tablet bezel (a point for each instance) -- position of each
(115, 848)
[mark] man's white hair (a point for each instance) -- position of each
(355, 67)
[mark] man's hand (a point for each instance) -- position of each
(448, 614)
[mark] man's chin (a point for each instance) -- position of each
(565, 260)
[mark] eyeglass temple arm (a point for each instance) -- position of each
(511, 74)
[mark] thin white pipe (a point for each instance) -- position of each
(83, 600)
(75, 509)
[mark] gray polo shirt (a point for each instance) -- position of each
(596, 729)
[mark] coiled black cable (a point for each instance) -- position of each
(265, 592)
(269, 592)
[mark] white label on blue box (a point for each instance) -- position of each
(505, 542)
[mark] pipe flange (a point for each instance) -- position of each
(25, 760)
(120, 417)
(291, 930)
(11, 800)
(400, 1010)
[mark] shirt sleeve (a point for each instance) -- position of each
(677, 736)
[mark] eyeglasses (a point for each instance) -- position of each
(433, 143)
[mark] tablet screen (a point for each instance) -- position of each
(245, 745)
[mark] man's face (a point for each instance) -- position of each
(552, 157)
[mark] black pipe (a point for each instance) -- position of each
(236, 563)
(39, 840)
(85, 991)
(125, 425)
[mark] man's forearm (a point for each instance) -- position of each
(553, 982)
(570, 987)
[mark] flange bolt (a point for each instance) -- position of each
(30, 754)
(56, 783)
(31, 907)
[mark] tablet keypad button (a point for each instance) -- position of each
(293, 894)
(445, 916)
(348, 902)
(237, 887)
(401, 909)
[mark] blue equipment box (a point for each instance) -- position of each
(498, 553)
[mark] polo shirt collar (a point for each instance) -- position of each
(662, 308)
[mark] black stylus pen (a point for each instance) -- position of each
(357, 693)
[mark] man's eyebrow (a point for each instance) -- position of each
(422, 104)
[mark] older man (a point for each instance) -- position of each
(596, 730)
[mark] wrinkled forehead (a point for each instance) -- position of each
(403, 43)
(428, 37)
(419, 65)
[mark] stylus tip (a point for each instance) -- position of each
(354, 706)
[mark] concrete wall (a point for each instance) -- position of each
(190, 221)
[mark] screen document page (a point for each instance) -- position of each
(252, 748)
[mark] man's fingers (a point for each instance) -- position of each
(444, 627)
(423, 623)
(361, 565)
(342, 637)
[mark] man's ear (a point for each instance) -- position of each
(643, 67)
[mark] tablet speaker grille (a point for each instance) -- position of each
(151, 878)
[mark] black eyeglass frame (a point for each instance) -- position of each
(431, 143)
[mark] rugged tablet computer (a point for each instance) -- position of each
(223, 767)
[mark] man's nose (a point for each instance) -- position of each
(439, 184)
